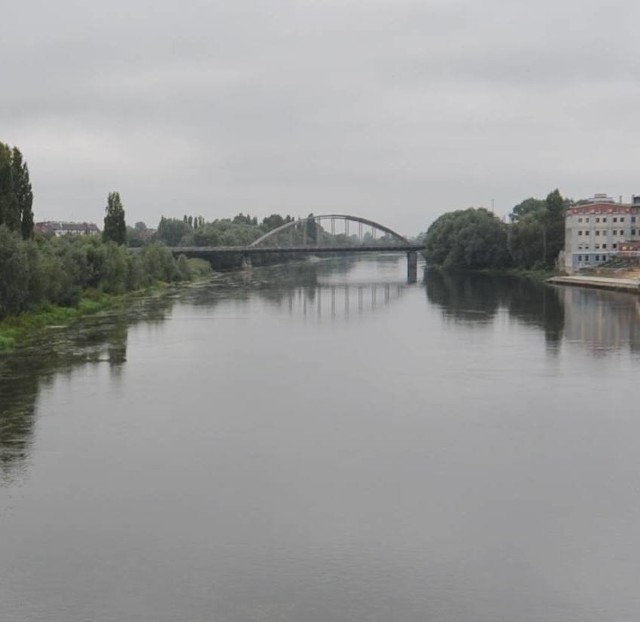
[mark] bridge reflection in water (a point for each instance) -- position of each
(343, 300)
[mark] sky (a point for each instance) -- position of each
(392, 110)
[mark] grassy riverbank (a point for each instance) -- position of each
(17, 328)
(14, 329)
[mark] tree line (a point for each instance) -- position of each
(240, 230)
(36, 271)
(475, 238)
(59, 271)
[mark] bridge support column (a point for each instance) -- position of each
(412, 267)
(245, 263)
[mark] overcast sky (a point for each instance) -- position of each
(395, 110)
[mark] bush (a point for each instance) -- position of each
(58, 271)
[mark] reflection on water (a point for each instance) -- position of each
(478, 299)
(597, 320)
(601, 321)
(323, 289)
(58, 351)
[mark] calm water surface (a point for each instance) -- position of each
(324, 443)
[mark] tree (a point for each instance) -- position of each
(528, 206)
(172, 230)
(311, 229)
(468, 239)
(16, 197)
(14, 273)
(23, 192)
(526, 241)
(272, 222)
(553, 227)
(115, 228)
(9, 208)
(536, 235)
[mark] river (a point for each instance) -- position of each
(322, 442)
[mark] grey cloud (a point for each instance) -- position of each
(394, 109)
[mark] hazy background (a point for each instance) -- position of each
(396, 110)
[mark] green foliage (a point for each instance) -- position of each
(525, 208)
(526, 241)
(554, 227)
(115, 228)
(172, 230)
(7, 341)
(62, 270)
(24, 193)
(274, 221)
(14, 273)
(199, 268)
(16, 197)
(311, 229)
(240, 231)
(536, 236)
(468, 239)
(475, 238)
(241, 219)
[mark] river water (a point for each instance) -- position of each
(322, 442)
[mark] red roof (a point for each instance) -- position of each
(605, 208)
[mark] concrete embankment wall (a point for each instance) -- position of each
(600, 282)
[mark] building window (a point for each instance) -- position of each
(597, 232)
(597, 220)
(579, 232)
(633, 218)
(579, 257)
(615, 220)
(597, 257)
(579, 219)
(633, 231)
(586, 219)
(604, 246)
(604, 219)
(615, 245)
(622, 219)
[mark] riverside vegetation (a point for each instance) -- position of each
(48, 280)
(476, 239)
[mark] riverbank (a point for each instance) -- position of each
(600, 282)
(15, 329)
(540, 276)
(168, 273)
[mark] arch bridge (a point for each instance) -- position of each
(322, 234)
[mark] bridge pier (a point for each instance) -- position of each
(245, 263)
(412, 267)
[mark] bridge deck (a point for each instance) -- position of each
(205, 251)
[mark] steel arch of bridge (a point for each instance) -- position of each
(331, 217)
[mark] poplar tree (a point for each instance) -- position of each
(115, 228)
(9, 211)
(23, 192)
(16, 197)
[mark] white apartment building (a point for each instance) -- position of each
(596, 229)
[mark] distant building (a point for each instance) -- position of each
(66, 228)
(598, 228)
